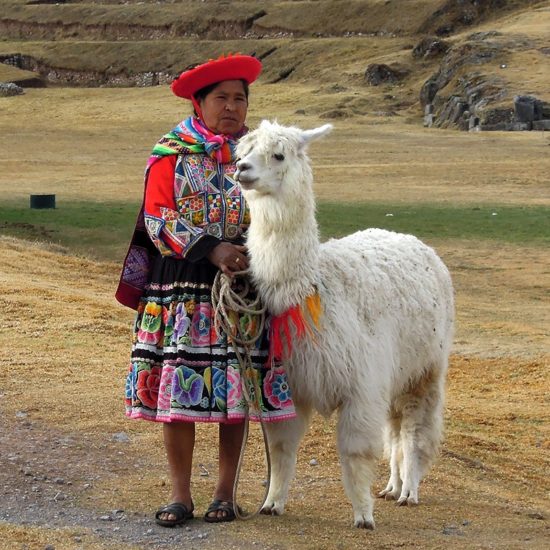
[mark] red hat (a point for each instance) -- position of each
(232, 67)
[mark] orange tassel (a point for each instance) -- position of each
(313, 305)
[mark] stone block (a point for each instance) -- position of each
(543, 125)
(473, 122)
(521, 126)
(429, 91)
(524, 108)
(498, 126)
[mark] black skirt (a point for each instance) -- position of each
(181, 369)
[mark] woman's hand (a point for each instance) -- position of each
(229, 258)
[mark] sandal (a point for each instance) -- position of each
(177, 509)
(220, 506)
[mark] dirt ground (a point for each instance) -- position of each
(76, 474)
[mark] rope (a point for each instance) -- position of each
(230, 304)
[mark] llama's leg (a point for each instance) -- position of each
(283, 439)
(359, 443)
(395, 452)
(421, 430)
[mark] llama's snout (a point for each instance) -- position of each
(244, 173)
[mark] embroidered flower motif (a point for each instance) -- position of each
(219, 391)
(234, 389)
(165, 388)
(148, 387)
(131, 384)
(276, 388)
(187, 387)
(204, 402)
(168, 320)
(182, 324)
(200, 325)
(190, 307)
(233, 217)
(150, 329)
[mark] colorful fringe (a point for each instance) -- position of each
(280, 336)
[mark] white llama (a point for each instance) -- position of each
(379, 351)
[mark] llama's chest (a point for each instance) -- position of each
(315, 379)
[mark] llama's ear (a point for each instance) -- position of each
(311, 135)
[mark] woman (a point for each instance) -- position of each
(192, 225)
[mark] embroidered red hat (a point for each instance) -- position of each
(230, 67)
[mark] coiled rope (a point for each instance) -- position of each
(231, 303)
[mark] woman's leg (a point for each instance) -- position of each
(179, 441)
(231, 437)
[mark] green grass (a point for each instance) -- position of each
(95, 229)
(512, 224)
(102, 230)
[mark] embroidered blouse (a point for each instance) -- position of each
(192, 203)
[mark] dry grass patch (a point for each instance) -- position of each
(92, 145)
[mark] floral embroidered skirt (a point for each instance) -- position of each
(182, 370)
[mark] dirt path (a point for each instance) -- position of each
(47, 473)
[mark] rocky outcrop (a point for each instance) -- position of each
(460, 95)
(454, 15)
(472, 109)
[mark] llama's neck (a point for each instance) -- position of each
(284, 250)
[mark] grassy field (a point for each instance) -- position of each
(100, 230)
(489, 488)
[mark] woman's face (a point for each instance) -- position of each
(224, 108)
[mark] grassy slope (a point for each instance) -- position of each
(337, 61)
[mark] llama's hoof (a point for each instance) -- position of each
(388, 494)
(407, 501)
(271, 510)
(365, 524)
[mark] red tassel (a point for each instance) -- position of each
(281, 323)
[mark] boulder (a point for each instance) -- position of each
(379, 73)
(8, 89)
(430, 47)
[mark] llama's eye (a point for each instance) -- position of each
(278, 156)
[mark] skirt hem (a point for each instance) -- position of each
(222, 419)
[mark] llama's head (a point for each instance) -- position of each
(273, 159)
